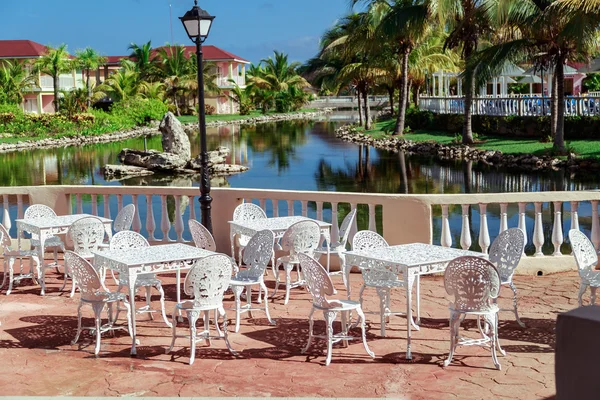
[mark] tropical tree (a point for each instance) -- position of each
(89, 60)
(121, 85)
(152, 90)
(142, 57)
(468, 22)
(175, 72)
(241, 97)
(54, 62)
(15, 79)
(73, 101)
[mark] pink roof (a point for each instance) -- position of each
(21, 48)
(211, 53)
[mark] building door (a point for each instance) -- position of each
(31, 105)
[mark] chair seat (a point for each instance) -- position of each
(493, 309)
(242, 240)
(107, 297)
(345, 305)
(242, 279)
(141, 281)
(21, 253)
(288, 260)
(189, 306)
(334, 247)
(52, 241)
(382, 283)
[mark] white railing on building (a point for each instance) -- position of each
(228, 82)
(348, 99)
(463, 220)
(507, 106)
(66, 82)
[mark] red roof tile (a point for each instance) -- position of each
(21, 48)
(211, 53)
(116, 59)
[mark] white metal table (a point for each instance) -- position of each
(410, 260)
(152, 259)
(46, 227)
(278, 225)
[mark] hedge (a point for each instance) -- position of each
(576, 127)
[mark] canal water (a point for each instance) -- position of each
(303, 155)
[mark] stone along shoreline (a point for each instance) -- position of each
(522, 162)
(147, 131)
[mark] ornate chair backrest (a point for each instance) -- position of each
(345, 227)
(201, 236)
(85, 275)
(5, 240)
(247, 212)
(258, 253)
(318, 281)
(124, 218)
(208, 279)
(87, 235)
(128, 240)
(506, 251)
(583, 250)
(302, 237)
(364, 240)
(38, 211)
(474, 282)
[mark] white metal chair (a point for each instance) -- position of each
(206, 282)
(53, 243)
(378, 278)
(474, 283)
(201, 236)
(338, 246)
(320, 285)
(587, 259)
(505, 253)
(9, 256)
(257, 255)
(124, 218)
(302, 237)
(245, 212)
(129, 240)
(94, 293)
(87, 235)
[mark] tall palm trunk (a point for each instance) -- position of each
(56, 86)
(554, 106)
(367, 107)
(401, 120)
(360, 114)
(559, 138)
(390, 90)
(467, 136)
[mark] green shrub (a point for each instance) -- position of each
(140, 112)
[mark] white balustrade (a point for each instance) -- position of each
(557, 231)
(136, 225)
(446, 239)
(503, 217)
(538, 230)
(465, 234)
(178, 225)
(574, 216)
(484, 234)
(150, 221)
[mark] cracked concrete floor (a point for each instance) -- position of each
(39, 359)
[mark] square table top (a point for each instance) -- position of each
(276, 223)
(411, 255)
(150, 255)
(59, 221)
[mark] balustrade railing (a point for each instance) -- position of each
(468, 221)
(506, 106)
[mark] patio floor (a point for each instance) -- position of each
(39, 360)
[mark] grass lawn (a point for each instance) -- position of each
(583, 148)
(232, 117)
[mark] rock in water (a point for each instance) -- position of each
(174, 138)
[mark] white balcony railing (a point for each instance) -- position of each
(505, 106)
(226, 82)
(464, 220)
(66, 82)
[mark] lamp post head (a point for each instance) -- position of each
(197, 23)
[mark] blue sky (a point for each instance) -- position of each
(251, 29)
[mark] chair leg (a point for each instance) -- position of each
(361, 316)
(78, 324)
(582, 288)
(491, 320)
(162, 304)
(207, 327)
(148, 298)
(498, 339)
(98, 318)
(455, 319)
(11, 262)
(221, 312)
(514, 289)
(276, 275)
(73, 287)
(310, 330)
(173, 331)
(344, 327)
(383, 294)
(264, 288)
(4, 275)
(237, 291)
(329, 318)
(128, 312)
(192, 318)
(288, 278)
(240, 257)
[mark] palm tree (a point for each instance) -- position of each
(241, 97)
(89, 60)
(121, 85)
(175, 71)
(54, 62)
(152, 90)
(142, 57)
(468, 21)
(15, 79)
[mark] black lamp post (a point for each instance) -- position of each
(197, 23)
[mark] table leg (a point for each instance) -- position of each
(346, 271)
(408, 316)
(178, 289)
(41, 252)
(232, 239)
(132, 279)
(418, 299)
